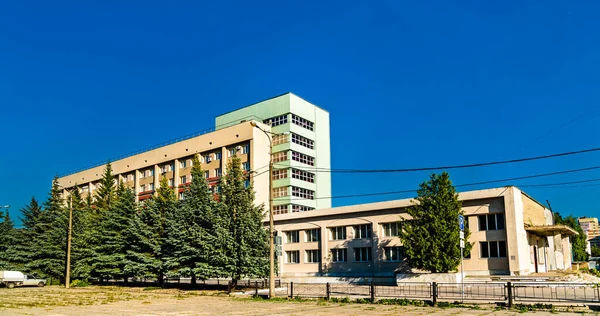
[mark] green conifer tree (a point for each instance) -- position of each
(106, 192)
(8, 238)
(431, 238)
(30, 218)
(148, 253)
(247, 247)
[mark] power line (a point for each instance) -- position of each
(458, 185)
(490, 163)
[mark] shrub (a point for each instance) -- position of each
(80, 283)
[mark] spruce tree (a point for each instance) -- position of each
(147, 235)
(194, 249)
(247, 247)
(50, 247)
(30, 217)
(106, 193)
(8, 240)
(81, 239)
(431, 237)
(112, 241)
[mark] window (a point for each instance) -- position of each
(183, 164)
(206, 174)
(280, 209)
(246, 183)
(303, 141)
(302, 122)
(303, 175)
(163, 169)
(206, 158)
(391, 229)
(303, 193)
(362, 254)
(245, 149)
(491, 221)
(181, 196)
(492, 249)
(362, 231)
(170, 182)
(280, 139)
(280, 156)
(305, 159)
(218, 172)
(151, 171)
(280, 192)
(151, 187)
(292, 256)
(218, 156)
(130, 177)
(143, 188)
(183, 180)
(339, 255)
(312, 235)
(391, 254)
(292, 236)
(280, 174)
(313, 256)
(276, 121)
(301, 208)
(246, 166)
(338, 233)
(231, 152)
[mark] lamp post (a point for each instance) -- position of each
(68, 273)
(271, 224)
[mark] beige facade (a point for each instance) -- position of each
(590, 227)
(511, 234)
(142, 172)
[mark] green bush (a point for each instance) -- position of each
(80, 283)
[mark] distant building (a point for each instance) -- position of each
(592, 231)
(511, 233)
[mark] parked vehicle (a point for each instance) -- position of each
(10, 279)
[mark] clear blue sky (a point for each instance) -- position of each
(407, 84)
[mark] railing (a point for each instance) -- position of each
(494, 292)
(556, 292)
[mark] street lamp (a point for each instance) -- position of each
(68, 273)
(271, 224)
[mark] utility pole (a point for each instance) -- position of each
(68, 274)
(271, 223)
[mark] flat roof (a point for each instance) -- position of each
(271, 98)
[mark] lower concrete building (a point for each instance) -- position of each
(511, 233)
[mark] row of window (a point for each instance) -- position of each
(284, 209)
(300, 121)
(277, 120)
(340, 232)
(303, 158)
(361, 254)
(296, 174)
(303, 141)
(303, 193)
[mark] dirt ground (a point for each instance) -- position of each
(116, 301)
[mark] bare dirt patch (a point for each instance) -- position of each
(137, 301)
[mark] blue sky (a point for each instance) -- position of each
(407, 85)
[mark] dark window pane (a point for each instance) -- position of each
(493, 249)
(502, 246)
(483, 246)
(491, 221)
(500, 221)
(482, 222)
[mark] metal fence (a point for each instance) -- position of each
(494, 292)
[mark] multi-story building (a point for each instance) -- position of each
(511, 234)
(300, 150)
(590, 227)
(299, 131)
